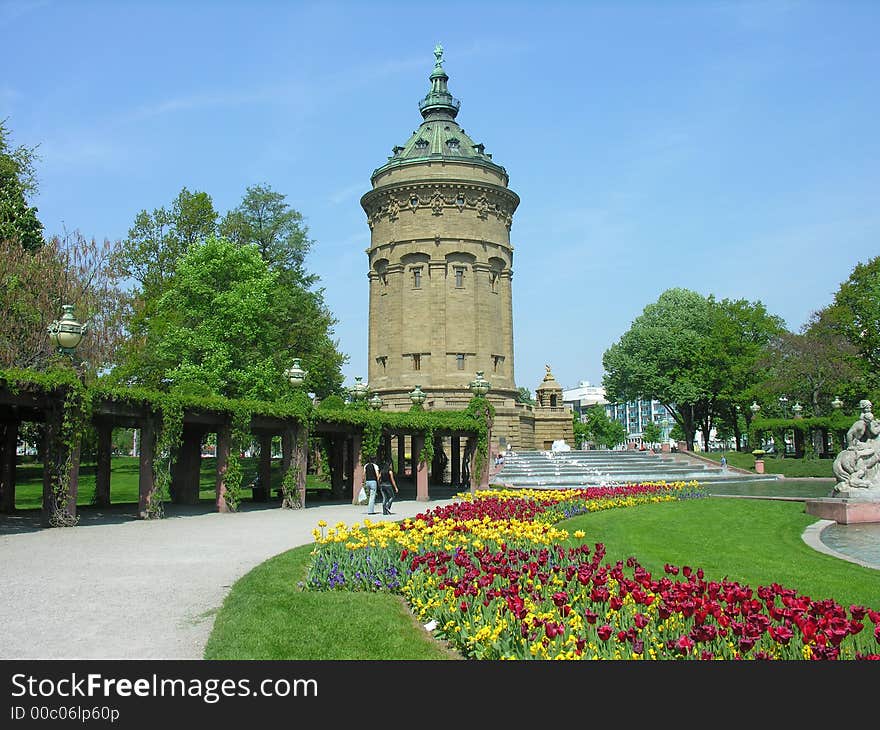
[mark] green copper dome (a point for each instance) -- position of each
(439, 137)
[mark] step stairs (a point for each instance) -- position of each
(552, 469)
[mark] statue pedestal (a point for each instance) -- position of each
(844, 511)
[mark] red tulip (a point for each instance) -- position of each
(781, 634)
(604, 632)
(684, 645)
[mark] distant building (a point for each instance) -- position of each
(583, 397)
(634, 415)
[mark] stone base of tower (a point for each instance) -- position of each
(517, 426)
(550, 427)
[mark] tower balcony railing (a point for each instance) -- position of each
(446, 100)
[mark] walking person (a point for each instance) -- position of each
(386, 484)
(371, 484)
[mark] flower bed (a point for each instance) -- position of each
(498, 581)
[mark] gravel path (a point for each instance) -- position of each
(119, 588)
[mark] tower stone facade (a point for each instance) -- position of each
(441, 270)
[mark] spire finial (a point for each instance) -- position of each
(439, 102)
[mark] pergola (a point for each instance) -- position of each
(34, 402)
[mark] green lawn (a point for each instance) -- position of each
(124, 481)
(788, 467)
(267, 616)
(757, 542)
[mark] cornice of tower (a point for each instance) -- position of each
(440, 197)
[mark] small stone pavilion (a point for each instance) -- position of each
(552, 418)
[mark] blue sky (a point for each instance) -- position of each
(726, 147)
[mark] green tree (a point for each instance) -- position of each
(265, 219)
(217, 329)
(698, 356)
(663, 356)
(581, 432)
(855, 314)
(18, 219)
(601, 430)
(295, 314)
(740, 335)
(209, 332)
(524, 395)
(812, 367)
(148, 256)
(157, 240)
(68, 269)
(651, 433)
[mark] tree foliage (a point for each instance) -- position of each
(524, 395)
(157, 240)
(68, 269)
(663, 356)
(855, 314)
(294, 320)
(265, 219)
(697, 356)
(652, 433)
(209, 333)
(812, 367)
(601, 430)
(18, 219)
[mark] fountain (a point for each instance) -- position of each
(856, 496)
(563, 468)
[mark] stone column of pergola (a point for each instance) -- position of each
(103, 462)
(146, 477)
(224, 443)
(419, 468)
(356, 467)
(8, 444)
(61, 463)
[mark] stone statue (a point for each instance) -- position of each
(857, 467)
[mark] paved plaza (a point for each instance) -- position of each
(115, 587)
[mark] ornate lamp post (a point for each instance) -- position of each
(376, 402)
(295, 374)
(837, 404)
(417, 395)
(479, 386)
(798, 409)
(359, 390)
(754, 408)
(66, 333)
(783, 402)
